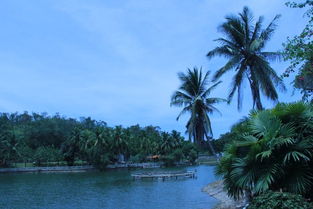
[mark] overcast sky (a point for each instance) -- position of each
(117, 61)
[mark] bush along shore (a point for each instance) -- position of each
(271, 150)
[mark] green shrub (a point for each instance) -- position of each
(169, 160)
(178, 155)
(46, 154)
(102, 161)
(273, 151)
(139, 158)
(193, 155)
(279, 200)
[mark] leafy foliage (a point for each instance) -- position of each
(273, 151)
(299, 51)
(243, 45)
(225, 139)
(279, 200)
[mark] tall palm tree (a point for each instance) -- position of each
(120, 144)
(243, 44)
(193, 95)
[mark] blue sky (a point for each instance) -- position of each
(117, 61)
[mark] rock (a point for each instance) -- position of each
(216, 190)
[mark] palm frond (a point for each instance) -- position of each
(269, 30)
(223, 51)
(295, 156)
(257, 28)
(272, 56)
(214, 100)
(210, 89)
(247, 18)
(185, 110)
(180, 98)
(232, 63)
(234, 30)
(237, 81)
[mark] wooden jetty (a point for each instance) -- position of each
(165, 175)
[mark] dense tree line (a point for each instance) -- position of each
(40, 138)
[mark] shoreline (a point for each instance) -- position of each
(216, 190)
(83, 168)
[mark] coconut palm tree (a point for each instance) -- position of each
(119, 143)
(168, 143)
(193, 96)
(243, 45)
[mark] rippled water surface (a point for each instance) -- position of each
(113, 189)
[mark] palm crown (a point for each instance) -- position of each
(193, 95)
(243, 45)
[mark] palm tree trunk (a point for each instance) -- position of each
(255, 93)
(210, 144)
(258, 99)
(194, 136)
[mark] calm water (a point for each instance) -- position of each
(111, 189)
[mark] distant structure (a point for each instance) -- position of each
(165, 175)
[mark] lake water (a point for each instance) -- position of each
(113, 189)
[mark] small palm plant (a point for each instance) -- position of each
(193, 96)
(243, 45)
(273, 153)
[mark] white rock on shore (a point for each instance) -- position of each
(217, 191)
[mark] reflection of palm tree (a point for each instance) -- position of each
(193, 95)
(243, 45)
